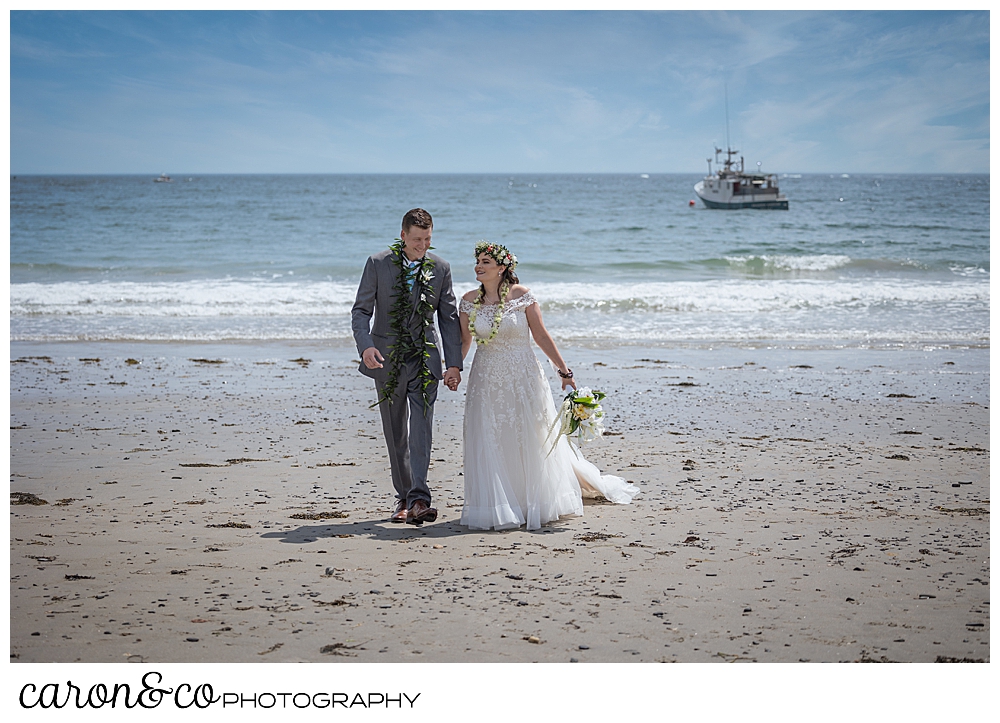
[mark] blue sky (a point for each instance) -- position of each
(480, 92)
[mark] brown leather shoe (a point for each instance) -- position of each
(400, 514)
(420, 513)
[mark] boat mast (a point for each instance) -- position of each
(729, 148)
(725, 87)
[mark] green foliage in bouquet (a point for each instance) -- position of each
(581, 415)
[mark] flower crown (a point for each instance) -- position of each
(498, 253)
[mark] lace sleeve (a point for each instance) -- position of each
(465, 306)
(522, 302)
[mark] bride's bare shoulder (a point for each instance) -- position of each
(517, 291)
(471, 295)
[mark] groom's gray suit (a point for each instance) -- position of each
(409, 444)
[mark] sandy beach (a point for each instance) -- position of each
(229, 503)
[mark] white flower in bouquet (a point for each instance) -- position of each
(592, 426)
(581, 415)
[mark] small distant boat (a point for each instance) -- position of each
(164, 178)
(731, 187)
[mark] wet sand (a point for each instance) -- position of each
(229, 503)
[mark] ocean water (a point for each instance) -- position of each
(879, 261)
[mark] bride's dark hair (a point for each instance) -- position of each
(508, 279)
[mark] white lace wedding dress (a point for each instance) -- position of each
(510, 477)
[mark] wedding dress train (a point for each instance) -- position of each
(511, 479)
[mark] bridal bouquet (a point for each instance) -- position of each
(580, 415)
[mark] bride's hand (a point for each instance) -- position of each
(568, 383)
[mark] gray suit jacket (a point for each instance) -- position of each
(376, 295)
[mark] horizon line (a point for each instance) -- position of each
(14, 175)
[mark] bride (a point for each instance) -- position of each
(513, 476)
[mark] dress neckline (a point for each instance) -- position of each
(493, 306)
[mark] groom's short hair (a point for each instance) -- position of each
(417, 217)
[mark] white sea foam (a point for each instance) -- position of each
(215, 297)
(969, 271)
(741, 296)
(785, 262)
(719, 309)
(324, 298)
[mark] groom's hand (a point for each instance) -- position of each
(452, 377)
(372, 358)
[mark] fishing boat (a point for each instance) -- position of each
(164, 178)
(731, 187)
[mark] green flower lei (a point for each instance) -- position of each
(405, 346)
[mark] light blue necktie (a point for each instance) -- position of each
(411, 273)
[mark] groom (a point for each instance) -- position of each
(403, 287)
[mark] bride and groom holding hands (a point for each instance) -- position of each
(514, 474)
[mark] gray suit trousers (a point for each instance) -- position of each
(408, 428)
